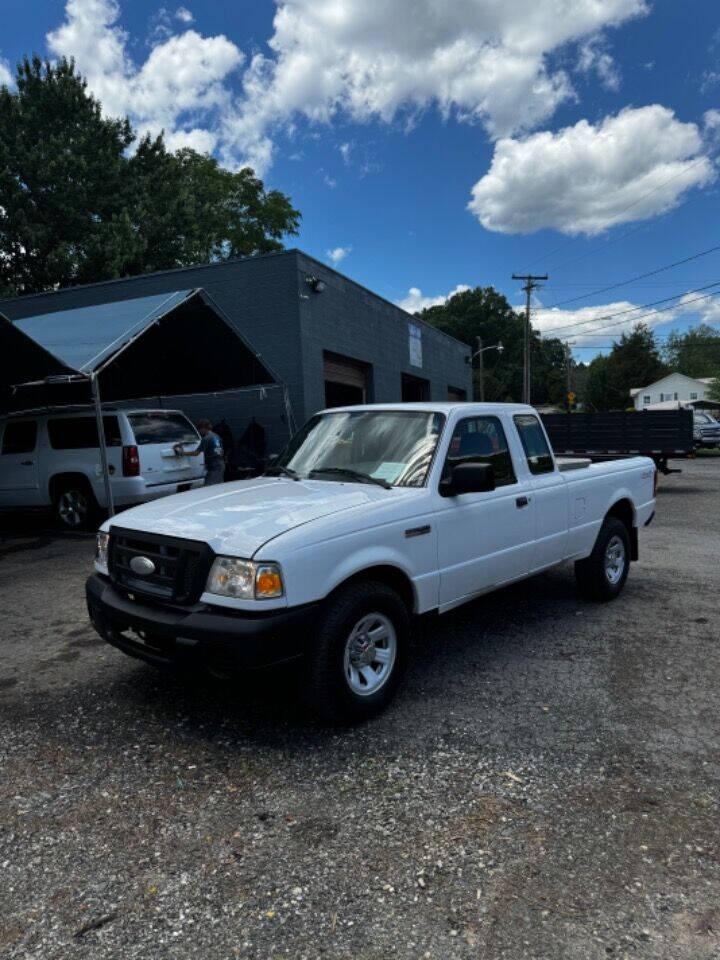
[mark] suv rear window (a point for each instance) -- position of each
(19, 436)
(162, 428)
(80, 433)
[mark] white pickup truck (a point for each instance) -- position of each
(372, 515)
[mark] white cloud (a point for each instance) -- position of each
(6, 77)
(481, 60)
(181, 87)
(414, 300)
(337, 254)
(184, 15)
(584, 179)
(329, 181)
(345, 149)
(594, 58)
(589, 326)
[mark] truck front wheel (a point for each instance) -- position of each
(602, 575)
(358, 656)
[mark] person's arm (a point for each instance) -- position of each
(180, 451)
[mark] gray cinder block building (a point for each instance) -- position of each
(329, 339)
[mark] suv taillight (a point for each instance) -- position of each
(131, 461)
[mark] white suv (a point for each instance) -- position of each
(53, 459)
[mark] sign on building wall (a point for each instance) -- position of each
(415, 343)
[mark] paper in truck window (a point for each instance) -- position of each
(388, 470)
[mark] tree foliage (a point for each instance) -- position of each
(483, 312)
(634, 361)
(77, 206)
(695, 353)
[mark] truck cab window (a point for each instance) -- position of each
(534, 443)
(480, 440)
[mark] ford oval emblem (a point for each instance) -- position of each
(142, 566)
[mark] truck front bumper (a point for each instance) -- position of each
(222, 642)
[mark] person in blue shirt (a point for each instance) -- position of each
(212, 449)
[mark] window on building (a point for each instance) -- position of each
(480, 440)
(534, 443)
(20, 436)
(693, 396)
(675, 396)
(647, 398)
(80, 433)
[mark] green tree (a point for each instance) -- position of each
(714, 390)
(695, 353)
(634, 361)
(76, 206)
(483, 312)
(597, 393)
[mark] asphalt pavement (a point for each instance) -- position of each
(545, 785)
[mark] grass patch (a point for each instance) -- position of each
(708, 452)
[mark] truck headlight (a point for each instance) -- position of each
(101, 551)
(245, 580)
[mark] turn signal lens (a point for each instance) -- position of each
(268, 581)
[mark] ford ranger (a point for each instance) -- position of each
(371, 516)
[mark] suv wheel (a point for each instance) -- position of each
(358, 656)
(75, 505)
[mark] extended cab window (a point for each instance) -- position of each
(80, 433)
(534, 443)
(19, 436)
(480, 440)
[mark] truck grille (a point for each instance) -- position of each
(181, 566)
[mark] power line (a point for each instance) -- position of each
(644, 315)
(641, 276)
(644, 306)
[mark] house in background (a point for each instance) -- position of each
(674, 390)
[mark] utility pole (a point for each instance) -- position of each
(568, 364)
(481, 369)
(531, 282)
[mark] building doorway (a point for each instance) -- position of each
(346, 381)
(415, 389)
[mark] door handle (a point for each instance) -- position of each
(27, 463)
(521, 502)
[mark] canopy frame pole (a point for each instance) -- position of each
(292, 426)
(103, 443)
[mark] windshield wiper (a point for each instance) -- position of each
(352, 474)
(279, 468)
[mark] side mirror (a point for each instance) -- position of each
(469, 478)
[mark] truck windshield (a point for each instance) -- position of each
(392, 446)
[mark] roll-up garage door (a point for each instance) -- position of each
(346, 380)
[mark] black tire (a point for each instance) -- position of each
(75, 505)
(597, 577)
(328, 687)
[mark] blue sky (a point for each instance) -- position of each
(435, 145)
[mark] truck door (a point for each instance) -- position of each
(484, 539)
(550, 492)
(19, 473)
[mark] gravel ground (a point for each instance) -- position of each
(544, 786)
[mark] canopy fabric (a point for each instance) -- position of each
(85, 337)
(21, 358)
(168, 345)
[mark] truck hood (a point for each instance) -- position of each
(238, 518)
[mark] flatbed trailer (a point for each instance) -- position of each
(662, 435)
